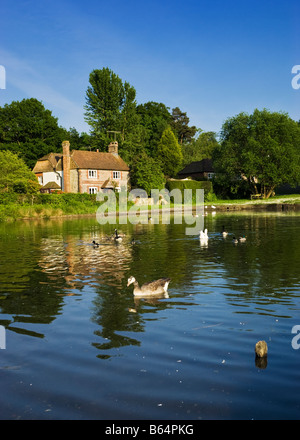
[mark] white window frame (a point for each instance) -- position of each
(92, 174)
(210, 175)
(116, 175)
(40, 180)
(93, 190)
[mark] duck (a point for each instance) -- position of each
(156, 287)
(117, 237)
(234, 240)
(243, 238)
(224, 232)
(95, 244)
(132, 241)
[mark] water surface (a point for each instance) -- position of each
(78, 346)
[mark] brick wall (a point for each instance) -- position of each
(102, 177)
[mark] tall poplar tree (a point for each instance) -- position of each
(110, 104)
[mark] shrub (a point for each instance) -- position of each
(193, 185)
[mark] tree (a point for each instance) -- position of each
(15, 175)
(169, 153)
(262, 149)
(110, 105)
(146, 173)
(79, 141)
(200, 148)
(154, 118)
(180, 126)
(28, 129)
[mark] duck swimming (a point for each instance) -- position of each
(117, 237)
(156, 287)
(224, 232)
(95, 244)
(243, 238)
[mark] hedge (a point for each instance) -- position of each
(193, 185)
(190, 184)
(47, 199)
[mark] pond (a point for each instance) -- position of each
(79, 346)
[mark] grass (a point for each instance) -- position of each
(290, 198)
(14, 211)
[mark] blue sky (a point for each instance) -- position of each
(212, 59)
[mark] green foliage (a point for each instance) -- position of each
(110, 105)
(193, 185)
(28, 129)
(146, 174)
(180, 126)
(79, 141)
(200, 148)
(190, 184)
(66, 199)
(154, 117)
(15, 176)
(261, 150)
(14, 206)
(169, 153)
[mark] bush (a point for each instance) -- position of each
(190, 184)
(209, 195)
(7, 198)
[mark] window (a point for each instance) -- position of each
(116, 175)
(93, 190)
(40, 180)
(92, 174)
(210, 175)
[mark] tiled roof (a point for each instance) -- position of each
(82, 159)
(51, 185)
(98, 161)
(202, 166)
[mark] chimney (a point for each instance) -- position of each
(113, 148)
(66, 166)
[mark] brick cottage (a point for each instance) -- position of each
(80, 171)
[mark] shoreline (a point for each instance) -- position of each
(270, 206)
(12, 212)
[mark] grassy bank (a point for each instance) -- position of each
(23, 206)
(15, 206)
(289, 199)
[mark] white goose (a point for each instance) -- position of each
(203, 235)
(156, 287)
